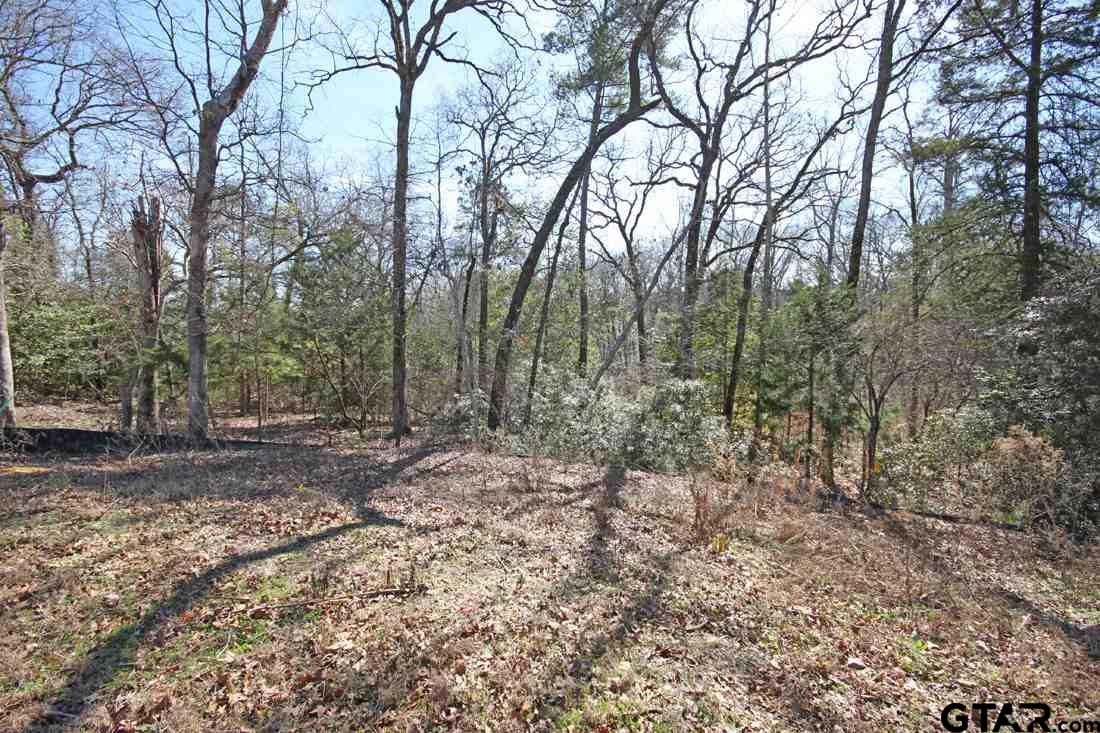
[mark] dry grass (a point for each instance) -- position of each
(229, 592)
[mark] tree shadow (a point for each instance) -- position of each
(600, 563)
(108, 658)
(1083, 637)
(352, 479)
(362, 477)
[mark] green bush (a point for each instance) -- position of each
(959, 460)
(946, 449)
(66, 347)
(665, 428)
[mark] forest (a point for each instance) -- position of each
(549, 364)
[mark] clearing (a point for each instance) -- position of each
(434, 587)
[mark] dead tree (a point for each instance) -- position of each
(147, 234)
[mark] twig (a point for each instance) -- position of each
(399, 591)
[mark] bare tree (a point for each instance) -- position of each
(404, 47)
(708, 118)
(501, 121)
(621, 212)
(48, 50)
(635, 109)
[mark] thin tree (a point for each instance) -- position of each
(505, 135)
(213, 113)
(404, 47)
(636, 107)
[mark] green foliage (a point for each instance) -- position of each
(1019, 477)
(669, 427)
(66, 346)
(946, 448)
(1051, 382)
(338, 327)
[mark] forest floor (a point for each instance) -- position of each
(438, 587)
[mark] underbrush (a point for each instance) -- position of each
(959, 464)
(666, 428)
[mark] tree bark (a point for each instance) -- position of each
(685, 360)
(7, 375)
(1030, 271)
(643, 337)
(198, 418)
(147, 232)
(872, 447)
(912, 417)
(126, 400)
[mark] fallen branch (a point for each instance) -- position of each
(398, 591)
(951, 518)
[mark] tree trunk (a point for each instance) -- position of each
(766, 279)
(198, 421)
(147, 232)
(544, 313)
(872, 447)
(399, 416)
(838, 398)
(126, 400)
(527, 271)
(870, 143)
(211, 117)
(742, 323)
(810, 417)
(460, 335)
(488, 224)
(7, 375)
(1030, 271)
(911, 417)
(685, 360)
(634, 110)
(582, 237)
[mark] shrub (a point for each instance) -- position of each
(1029, 481)
(1020, 477)
(464, 415)
(665, 428)
(945, 450)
